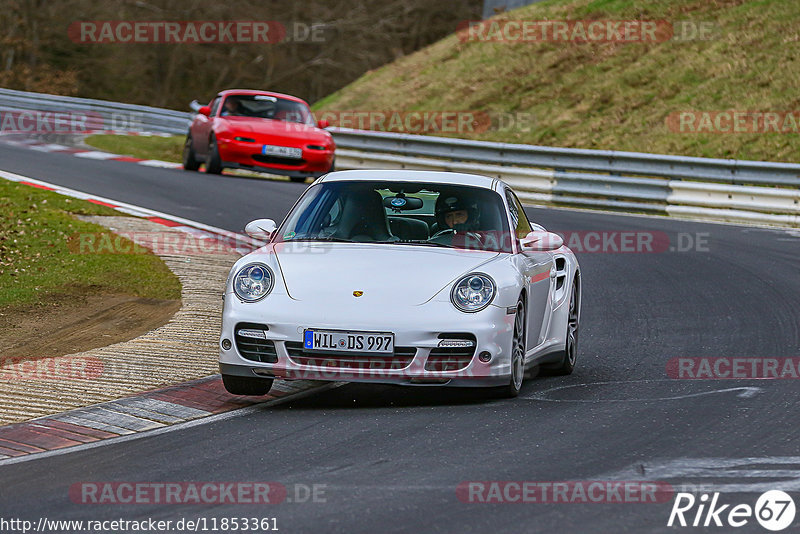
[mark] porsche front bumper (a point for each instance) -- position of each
(418, 333)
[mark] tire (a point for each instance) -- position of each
(514, 385)
(567, 364)
(213, 163)
(190, 161)
(242, 385)
(298, 179)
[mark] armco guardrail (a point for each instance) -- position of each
(100, 114)
(715, 189)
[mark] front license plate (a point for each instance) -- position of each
(282, 151)
(341, 341)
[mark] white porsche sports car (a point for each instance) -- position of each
(401, 277)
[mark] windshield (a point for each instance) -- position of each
(267, 107)
(442, 215)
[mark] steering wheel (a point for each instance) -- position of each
(447, 231)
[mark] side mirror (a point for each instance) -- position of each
(204, 110)
(260, 228)
(323, 124)
(542, 242)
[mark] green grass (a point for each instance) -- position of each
(36, 261)
(159, 148)
(609, 95)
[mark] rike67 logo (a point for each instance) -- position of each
(774, 510)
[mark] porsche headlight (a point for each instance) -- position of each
(253, 282)
(473, 292)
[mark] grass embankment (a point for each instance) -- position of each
(610, 95)
(37, 261)
(145, 147)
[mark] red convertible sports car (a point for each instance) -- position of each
(259, 131)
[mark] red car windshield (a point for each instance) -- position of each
(266, 107)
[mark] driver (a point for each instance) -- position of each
(456, 213)
(231, 107)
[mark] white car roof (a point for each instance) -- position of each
(437, 177)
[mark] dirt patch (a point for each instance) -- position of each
(76, 323)
(161, 348)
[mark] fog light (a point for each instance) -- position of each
(226, 344)
(485, 356)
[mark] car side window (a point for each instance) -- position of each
(519, 219)
(215, 105)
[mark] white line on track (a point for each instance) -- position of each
(94, 154)
(745, 392)
(159, 163)
(715, 474)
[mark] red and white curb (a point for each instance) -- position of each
(243, 243)
(152, 412)
(41, 146)
(149, 412)
(99, 155)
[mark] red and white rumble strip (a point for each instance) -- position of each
(149, 411)
(196, 229)
(42, 146)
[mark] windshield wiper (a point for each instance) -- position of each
(327, 239)
(418, 242)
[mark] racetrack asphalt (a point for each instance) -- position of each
(389, 459)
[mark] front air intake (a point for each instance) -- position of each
(455, 352)
(252, 343)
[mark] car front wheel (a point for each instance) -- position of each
(517, 354)
(213, 162)
(190, 161)
(567, 364)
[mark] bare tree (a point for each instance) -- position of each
(349, 38)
